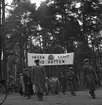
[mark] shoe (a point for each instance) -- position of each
(42, 96)
(73, 93)
(25, 95)
(39, 99)
(93, 95)
(64, 93)
(56, 92)
(46, 94)
(52, 92)
(29, 96)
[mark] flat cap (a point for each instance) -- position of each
(86, 60)
(25, 69)
(37, 60)
(20, 74)
(71, 68)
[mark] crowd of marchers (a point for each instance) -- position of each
(37, 83)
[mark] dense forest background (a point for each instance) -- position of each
(56, 26)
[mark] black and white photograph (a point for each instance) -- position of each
(51, 52)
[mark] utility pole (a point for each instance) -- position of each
(4, 67)
(84, 24)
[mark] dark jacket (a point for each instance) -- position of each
(27, 79)
(62, 80)
(28, 84)
(39, 77)
(89, 76)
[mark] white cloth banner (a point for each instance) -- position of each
(51, 59)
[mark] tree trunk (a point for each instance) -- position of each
(26, 49)
(69, 45)
(85, 39)
(0, 57)
(4, 68)
(5, 58)
(0, 43)
(23, 57)
(21, 64)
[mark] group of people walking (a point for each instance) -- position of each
(42, 83)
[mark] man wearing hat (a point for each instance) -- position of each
(39, 77)
(89, 75)
(71, 80)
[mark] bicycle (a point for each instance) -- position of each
(3, 91)
(10, 88)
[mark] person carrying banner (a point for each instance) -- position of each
(39, 77)
(90, 76)
(71, 80)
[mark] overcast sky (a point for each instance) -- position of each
(32, 1)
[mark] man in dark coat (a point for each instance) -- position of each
(28, 84)
(89, 77)
(63, 83)
(39, 77)
(71, 80)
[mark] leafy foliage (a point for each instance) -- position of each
(53, 27)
